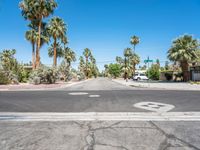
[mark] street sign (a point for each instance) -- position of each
(147, 60)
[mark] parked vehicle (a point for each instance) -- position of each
(140, 76)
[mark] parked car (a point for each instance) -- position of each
(140, 76)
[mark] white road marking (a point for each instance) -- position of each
(154, 106)
(78, 93)
(93, 96)
(101, 116)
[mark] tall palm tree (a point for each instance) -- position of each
(69, 55)
(57, 30)
(59, 50)
(134, 60)
(134, 41)
(183, 50)
(37, 10)
(127, 55)
(87, 54)
(32, 36)
(81, 64)
(119, 60)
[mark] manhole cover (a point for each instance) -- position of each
(78, 93)
(91, 96)
(154, 106)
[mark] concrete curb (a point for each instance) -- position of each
(44, 89)
(101, 116)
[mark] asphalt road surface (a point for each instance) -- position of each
(96, 95)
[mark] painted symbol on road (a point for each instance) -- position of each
(154, 106)
(93, 96)
(78, 93)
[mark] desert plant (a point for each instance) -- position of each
(43, 75)
(4, 78)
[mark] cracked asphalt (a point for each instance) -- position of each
(121, 135)
(98, 135)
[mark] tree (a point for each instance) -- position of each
(154, 72)
(127, 55)
(183, 50)
(59, 50)
(106, 72)
(37, 10)
(134, 60)
(119, 60)
(134, 41)
(166, 65)
(87, 54)
(198, 56)
(81, 64)
(57, 30)
(8, 60)
(32, 36)
(114, 70)
(69, 56)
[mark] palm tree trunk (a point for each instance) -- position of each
(38, 45)
(184, 66)
(54, 54)
(33, 56)
(133, 69)
(125, 73)
(87, 67)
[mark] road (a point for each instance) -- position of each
(113, 97)
(101, 96)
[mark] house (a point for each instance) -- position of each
(195, 72)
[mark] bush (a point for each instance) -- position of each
(43, 75)
(4, 78)
(80, 76)
(168, 76)
(114, 70)
(154, 72)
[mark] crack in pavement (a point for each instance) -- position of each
(170, 138)
(90, 138)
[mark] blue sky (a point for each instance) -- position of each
(105, 26)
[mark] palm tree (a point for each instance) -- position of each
(119, 60)
(37, 10)
(32, 36)
(183, 50)
(87, 54)
(134, 41)
(81, 64)
(69, 55)
(59, 50)
(57, 30)
(127, 55)
(134, 60)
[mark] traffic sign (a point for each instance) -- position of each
(148, 60)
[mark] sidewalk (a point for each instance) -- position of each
(27, 86)
(159, 85)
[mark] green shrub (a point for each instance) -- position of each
(154, 72)
(43, 75)
(114, 70)
(4, 78)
